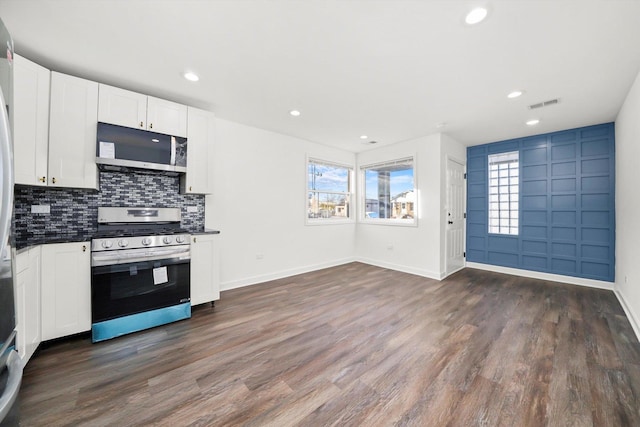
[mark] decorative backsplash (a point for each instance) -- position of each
(75, 211)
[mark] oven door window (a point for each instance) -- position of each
(123, 289)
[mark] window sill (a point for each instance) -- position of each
(391, 222)
(328, 221)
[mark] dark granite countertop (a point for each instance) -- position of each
(206, 231)
(41, 239)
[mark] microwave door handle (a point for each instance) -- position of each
(173, 151)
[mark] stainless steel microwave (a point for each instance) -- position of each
(123, 147)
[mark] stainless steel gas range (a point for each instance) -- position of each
(140, 270)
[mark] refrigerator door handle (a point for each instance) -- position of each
(6, 180)
(14, 366)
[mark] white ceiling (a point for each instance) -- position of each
(392, 70)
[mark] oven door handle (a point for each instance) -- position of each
(126, 257)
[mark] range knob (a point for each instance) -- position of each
(180, 239)
(146, 241)
(123, 243)
(107, 244)
(167, 240)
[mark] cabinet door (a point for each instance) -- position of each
(166, 117)
(205, 276)
(21, 279)
(28, 303)
(72, 132)
(33, 325)
(66, 289)
(200, 140)
(30, 121)
(122, 107)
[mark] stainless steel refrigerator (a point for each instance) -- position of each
(10, 362)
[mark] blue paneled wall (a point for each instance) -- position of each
(566, 209)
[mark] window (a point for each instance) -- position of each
(503, 193)
(389, 191)
(328, 191)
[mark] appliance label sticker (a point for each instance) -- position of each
(107, 150)
(133, 270)
(160, 276)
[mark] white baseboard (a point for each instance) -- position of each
(633, 319)
(544, 276)
(403, 268)
(254, 280)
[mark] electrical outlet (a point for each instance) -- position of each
(259, 256)
(192, 209)
(390, 247)
(41, 209)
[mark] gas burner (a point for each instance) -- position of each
(108, 234)
(136, 228)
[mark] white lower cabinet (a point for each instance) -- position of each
(205, 271)
(66, 289)
(28, 302)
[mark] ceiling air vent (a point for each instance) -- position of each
(544, 104)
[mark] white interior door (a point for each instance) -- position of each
(454, 217)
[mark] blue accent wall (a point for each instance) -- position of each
(566, 209)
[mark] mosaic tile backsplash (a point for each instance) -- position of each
(74, 212)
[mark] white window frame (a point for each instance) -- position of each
(362, 199)
(350, 193)
(500, 187)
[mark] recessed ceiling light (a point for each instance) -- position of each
(363, 137)
(533, 122)
(192, 77)
(515, 94)
(476, 15)
(294, 113)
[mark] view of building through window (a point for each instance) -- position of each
(503, 193)
(390, 190)
(329, 190)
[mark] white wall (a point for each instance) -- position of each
(416, 249)
(627, 284)
(259, 205)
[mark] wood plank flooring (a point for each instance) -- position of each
(357, 345)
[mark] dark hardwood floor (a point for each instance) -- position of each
(357, 345)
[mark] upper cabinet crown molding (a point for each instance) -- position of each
(134, 110)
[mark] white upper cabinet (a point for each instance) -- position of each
(30, 121)
(134, 110)
(72, 132)
(122, 107)
(200, 137)
(166, 117)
